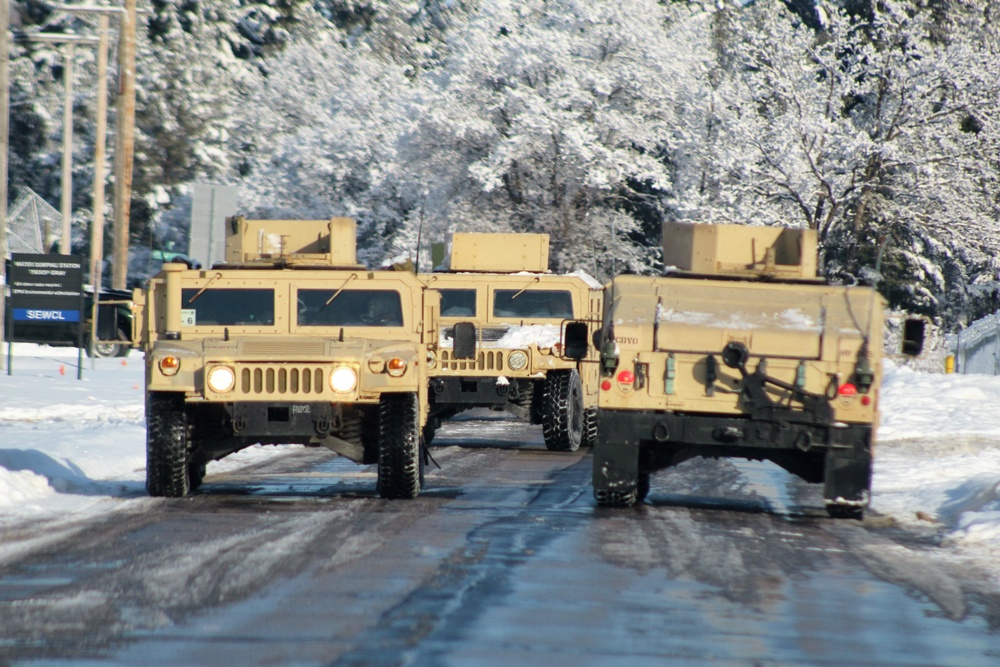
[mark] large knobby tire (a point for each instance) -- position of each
(642, 488)
(430, 430)
(168, 472)
(845, 511)
(589, 427)
(563, 414)
(618, 497)
(400, 465)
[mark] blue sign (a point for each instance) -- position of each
(46, 315)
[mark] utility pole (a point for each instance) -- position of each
(97, 222)
(66, 198)
(4, 134)
(124, 146)
(67, 158)
(100, 143)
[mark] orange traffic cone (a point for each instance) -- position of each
(62, 370)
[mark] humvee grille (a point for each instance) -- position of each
(279, 346)
(486, 360)
(291, 380)
(488, 334)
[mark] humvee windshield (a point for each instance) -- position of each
(533, 304)
(458, 302)
(349, 308)
(227, 307)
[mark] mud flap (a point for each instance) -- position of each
(847, 480)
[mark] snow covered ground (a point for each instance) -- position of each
(72, 447)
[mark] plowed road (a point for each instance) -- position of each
(503, 560)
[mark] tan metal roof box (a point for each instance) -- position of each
(499, 252)
(331, 242)
(740, 250)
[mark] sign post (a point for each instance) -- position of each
(46, 301)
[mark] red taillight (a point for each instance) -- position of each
(626, 377)
(847, 389)
(866, 400)
(606, 385)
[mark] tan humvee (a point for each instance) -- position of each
(739, 351)
(502, 321)
(288, 341)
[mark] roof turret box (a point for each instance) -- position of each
(495, 253)
(330, 242)
(740, 250)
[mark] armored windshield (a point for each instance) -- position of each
(458, 302)
(533, 304)
(349, 308)
(227, 307)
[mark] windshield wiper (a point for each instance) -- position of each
(202, 290)
(353, 276)
(525, 288)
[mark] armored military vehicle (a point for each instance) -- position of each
(502, 319)
(289, 340)
(740, 350)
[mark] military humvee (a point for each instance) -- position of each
(739, 351)
(289, 340)
(502, 318)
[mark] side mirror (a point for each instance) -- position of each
(465, 340)
(914, 335)
(575, 340)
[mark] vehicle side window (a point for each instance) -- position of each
(458, 302)
(227, 307)
(533, 304)
(349, 308)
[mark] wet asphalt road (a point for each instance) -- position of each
(503, 560)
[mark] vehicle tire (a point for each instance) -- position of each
(430, 430)
(844, 511)
(642, 488)
(168, 473)
(400, 464)
(196, 474)
(620, 497)
(589, 427)
(108, 350)
(847, 481)
(563, 418)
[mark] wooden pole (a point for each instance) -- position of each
(124, 146)
(97, 223)
(4, 133)
(67, 152)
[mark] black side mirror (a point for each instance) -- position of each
(575, 340)
(465, 340)
(914, 334)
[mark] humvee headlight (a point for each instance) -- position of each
(431, 359)
(517, 361)
(169, 365)
(221, 379)
(395, 367)
(343, 380)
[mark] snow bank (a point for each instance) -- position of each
(938, 454)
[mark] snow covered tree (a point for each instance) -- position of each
(868, 131)
(551, 117)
